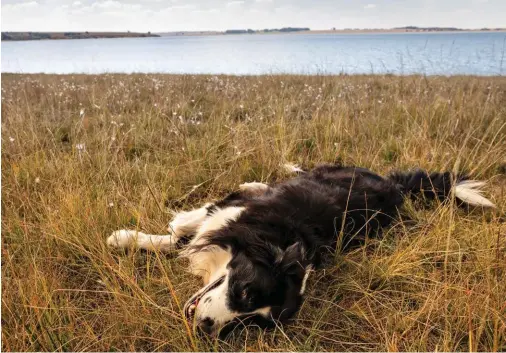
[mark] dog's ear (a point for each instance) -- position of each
(293, 260)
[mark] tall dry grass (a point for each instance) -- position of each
(85, 155)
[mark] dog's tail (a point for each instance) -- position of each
(441, 186)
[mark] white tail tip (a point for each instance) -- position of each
(292, 168)
(469, 191)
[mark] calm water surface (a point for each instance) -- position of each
(398, 53)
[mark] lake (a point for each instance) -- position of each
(462, 53)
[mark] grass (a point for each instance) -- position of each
(85, 155)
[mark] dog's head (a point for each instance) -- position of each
(261, 284)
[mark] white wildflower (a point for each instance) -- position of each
(111, 204)
(80, 147)
(37, 180)
(81, 113)
(12, 139)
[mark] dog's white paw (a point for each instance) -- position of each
(122, 238)
(254, 186)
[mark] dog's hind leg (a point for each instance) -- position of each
(254, 188)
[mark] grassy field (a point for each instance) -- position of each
(85, 155)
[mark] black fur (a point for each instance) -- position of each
(430, 186)
(293, 224)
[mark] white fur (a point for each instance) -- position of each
(309, 269)
(217, 220)
(213, 305)
(182, 224)
(188, 222)
(208, 262)
(292, 168)
(470, 192)
(254, 186)
(126, 238)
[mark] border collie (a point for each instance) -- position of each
(255, 248)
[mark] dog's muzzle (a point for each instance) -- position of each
(190, 308)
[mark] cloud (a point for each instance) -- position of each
(181, 7)
(20, 6)
(107, 4)
(206, 11)
(235, 3)
(197, 15)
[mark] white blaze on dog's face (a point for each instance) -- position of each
(250, 289)
(214, 310)
(224, 300)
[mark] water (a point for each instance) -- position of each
(397, 53)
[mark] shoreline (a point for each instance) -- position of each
(33, 36)
(326, 31)
(246, 76)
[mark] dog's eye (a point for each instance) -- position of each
(244, 294)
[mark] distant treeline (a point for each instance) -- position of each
(267, 30)
(6, 36)
(439, 29)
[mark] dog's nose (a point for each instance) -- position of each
(206, 325)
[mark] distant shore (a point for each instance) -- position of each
(19, 36)
(327, 31)
(22, 36)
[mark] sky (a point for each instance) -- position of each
(200, 15)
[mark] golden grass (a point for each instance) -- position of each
(148, 144)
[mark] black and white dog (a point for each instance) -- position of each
(255, 248)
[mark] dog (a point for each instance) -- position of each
(255, 248)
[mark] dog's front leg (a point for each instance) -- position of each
(126, 238)
(184, 224)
